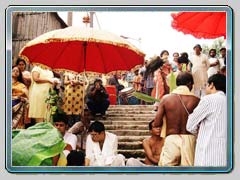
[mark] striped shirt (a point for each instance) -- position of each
(209, 120)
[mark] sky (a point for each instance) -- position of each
(149, 31)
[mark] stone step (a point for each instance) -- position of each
(130, 116)
(129, 112)
(122, 107)
(132, 138)
(112, 108)
(132, 113)
(130, 145)
(125, 118)
(129, 132)
(136, 153)
(121, 122)
(129, 126)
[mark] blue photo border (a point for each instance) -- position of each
(84, 169)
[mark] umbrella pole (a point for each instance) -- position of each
(84, 55)
(84, 63)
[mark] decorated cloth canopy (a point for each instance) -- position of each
(82, 50)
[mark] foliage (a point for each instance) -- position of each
(184, 68)
(217, 44)
(54, 102)
(145, 97)
(172, 82)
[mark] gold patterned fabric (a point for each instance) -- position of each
(19, 107)
(73, 96)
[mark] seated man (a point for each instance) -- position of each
(97, 99)
(101, 147)
(60, 122)
(79, 130)
(152, 148)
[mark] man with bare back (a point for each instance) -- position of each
(179, 145)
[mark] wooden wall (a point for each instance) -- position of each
(28, 25)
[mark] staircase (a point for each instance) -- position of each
(130, 124)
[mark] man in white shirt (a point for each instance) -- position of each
(209, 122)
(222, 59)
(200, 65)
(214, 63)
(60, 122)
(101, 147)
(123, 80)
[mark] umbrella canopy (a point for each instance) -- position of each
(82, 50)
(207, 25)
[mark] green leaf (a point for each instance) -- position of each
(172, 82)
(145, 97)
(184, 68)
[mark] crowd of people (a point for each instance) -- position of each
(189, 129)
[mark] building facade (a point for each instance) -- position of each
(29, 25)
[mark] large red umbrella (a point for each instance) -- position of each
(207, 25)
(82, 50)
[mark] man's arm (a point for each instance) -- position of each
(55, 160)
(207, 62)
(158, 121)
(89, 150)
(104, 91)
(148, 152)
(87, 162)
(92, 92)
(214, 63)
(197, 116)
(71, 144)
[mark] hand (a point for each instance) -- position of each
(72, 82)
(22, 99)
(97, 86)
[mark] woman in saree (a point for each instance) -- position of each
(26, 75)
(19, 100)
(156, 67)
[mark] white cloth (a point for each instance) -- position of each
(123, 82)
(199, 71)
(135, 162)
(108, 155)
(209, 120)
(71, 139)
(142, 69)
(214, 69)
(221, 62)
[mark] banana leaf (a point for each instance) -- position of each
(145, 97)
(172, 82)
(36, 145)
(184, 68)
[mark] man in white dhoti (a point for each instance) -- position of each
(200, 65)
